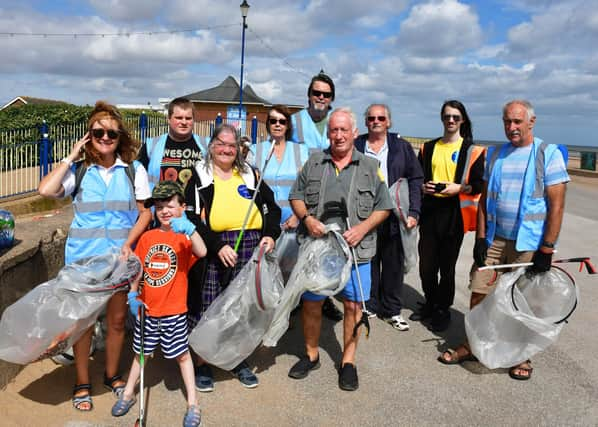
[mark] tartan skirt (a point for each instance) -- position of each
(216, 271)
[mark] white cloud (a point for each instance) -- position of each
(127, 10)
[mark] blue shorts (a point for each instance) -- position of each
(170, 332)
(351, 291)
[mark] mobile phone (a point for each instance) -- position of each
(439, 187)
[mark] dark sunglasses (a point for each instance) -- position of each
(99, 133)
(318, 93)
(373, 118)
(273, 121)
(447, 117)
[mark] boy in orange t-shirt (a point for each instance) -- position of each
(167, 253)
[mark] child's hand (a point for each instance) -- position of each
(134, 303)
(182, 225)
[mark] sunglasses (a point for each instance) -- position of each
(371, 119)
(318, 93)
(273, 121)
(447, 117)
(99, 133)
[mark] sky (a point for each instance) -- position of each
(410, 55)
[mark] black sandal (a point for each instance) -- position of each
(109, 384)
(79, 400)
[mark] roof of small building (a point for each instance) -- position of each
(32, 100)
(228, 92)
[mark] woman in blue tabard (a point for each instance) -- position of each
(286, 161)
(108, 213)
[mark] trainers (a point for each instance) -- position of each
(397, 322)
(330, 311)
(369, 313)
(302, 368)
(204, 378)
(245, 376)
(347, 377)
(440, 320)
(424, 312)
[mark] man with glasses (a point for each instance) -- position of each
(309, 128)
(397, 161)
(329, 176)
(453, 171)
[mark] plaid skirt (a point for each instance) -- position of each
(216, 270)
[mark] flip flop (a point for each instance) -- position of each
(455, 357)
(528, 371)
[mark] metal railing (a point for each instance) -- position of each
(26, 155)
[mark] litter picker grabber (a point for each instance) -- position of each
(339, 209)
(584, 261)
(228, 272)
(141, 420)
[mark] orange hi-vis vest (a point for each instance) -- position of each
(468, 202)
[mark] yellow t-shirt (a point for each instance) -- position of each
(444, 161)
(231, 201)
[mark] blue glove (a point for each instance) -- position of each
(134, 303)
(182, 225)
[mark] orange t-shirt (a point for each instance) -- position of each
(166, 257)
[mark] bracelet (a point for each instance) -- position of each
(547, 244)
(305, 217)
(67, 161)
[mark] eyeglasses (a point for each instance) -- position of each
(273, 121)
(99, 133)
(447, 117)
(371, 119)
(318, 93)
(221, 144)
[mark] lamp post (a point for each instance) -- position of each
(244, 10)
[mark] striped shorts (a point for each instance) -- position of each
(169, 331)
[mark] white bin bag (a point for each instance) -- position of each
(234, 324)
(287, 251)
(399, 193)
(323, 267)
(52, 316)
(523, 316)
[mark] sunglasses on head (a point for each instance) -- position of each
(273, 121)
(373, 118)
(447, 117)
(318, 93)
(99, 133)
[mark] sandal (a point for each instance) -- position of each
(526, 369)
(81, 400)
(122, 406)
(456, 357)
(192, 417)
(117, 390)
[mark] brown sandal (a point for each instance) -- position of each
(456, 357)
(527, 371)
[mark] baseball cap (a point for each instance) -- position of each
(164, 190)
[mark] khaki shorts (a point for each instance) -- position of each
(501, 251)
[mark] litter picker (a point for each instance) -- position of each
(141, 420)
(584, 261)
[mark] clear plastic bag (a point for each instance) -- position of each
(323, 267)
(399, 193)
(234, 324)
(517, 320)
(287, 251)
(52, 316)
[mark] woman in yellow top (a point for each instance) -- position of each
(220, 192)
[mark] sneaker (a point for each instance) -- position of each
(245, 376)
(204, 378)
(347, 377)
(397, 322)
(369, 313)
(302, 368)
(330, 311)
(424, 312)
(440, 320)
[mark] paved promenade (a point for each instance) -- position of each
(401, 383)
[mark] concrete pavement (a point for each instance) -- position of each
(401, 383)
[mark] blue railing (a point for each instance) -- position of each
(27, 155)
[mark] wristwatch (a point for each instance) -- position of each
(304, 217)
(547, 244)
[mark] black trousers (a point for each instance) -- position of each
(387, 274)
(440, 239)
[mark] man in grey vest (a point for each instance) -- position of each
(338, 173)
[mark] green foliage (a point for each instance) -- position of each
(32, 115)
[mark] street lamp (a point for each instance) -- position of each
(244, 11)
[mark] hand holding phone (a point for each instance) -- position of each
(439, 187)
